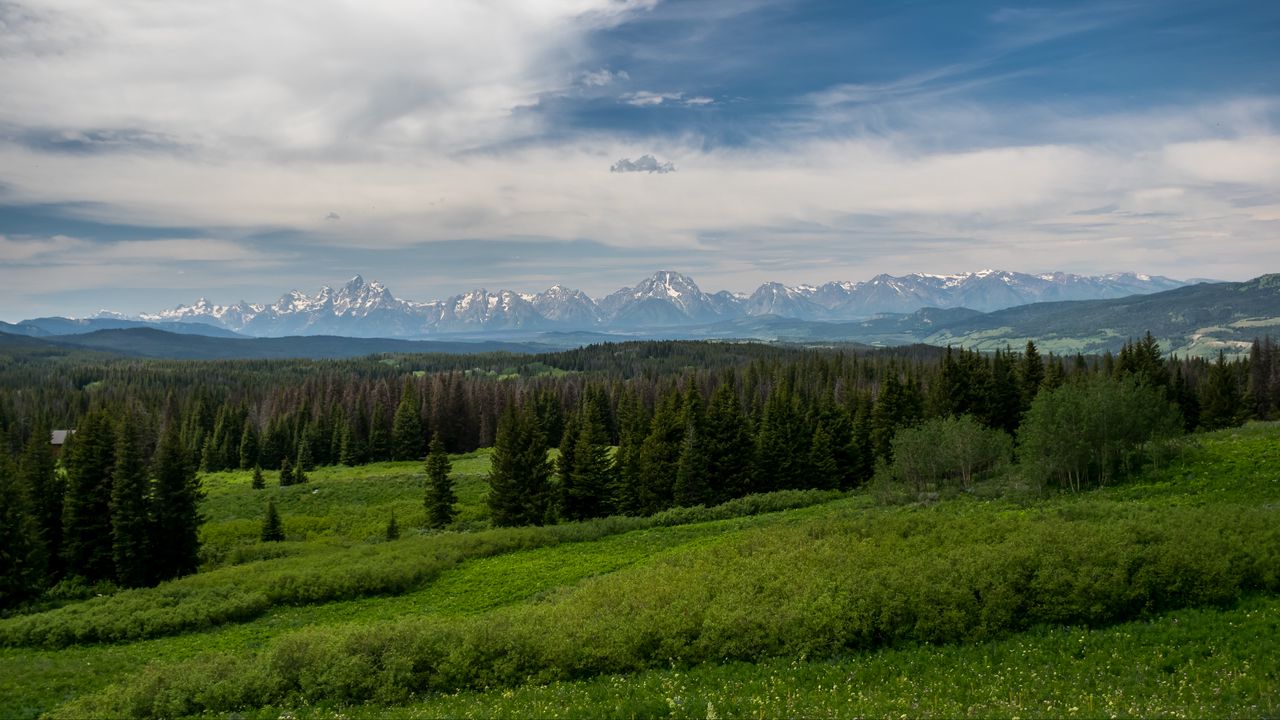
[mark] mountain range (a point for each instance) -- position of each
(1201, 320)
(667, 299)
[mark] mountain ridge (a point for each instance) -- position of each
(666, 299)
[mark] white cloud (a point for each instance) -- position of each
(603, 77)
(644, 163)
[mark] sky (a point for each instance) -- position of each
(157, 151)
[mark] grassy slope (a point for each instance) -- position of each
(33, 680)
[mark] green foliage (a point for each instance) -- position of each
(175, 543)
(89, 458)
(830, 584)
(1094, 430)
(440, 498)
(393, 529)
(406, 429)
(519, 487)
(130, 517)
(1221, 404)
(45, 489)
(259, 481)
(22, 552)
(286, 473)
(272, 528)
(948, 450)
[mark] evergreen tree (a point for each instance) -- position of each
(1262, 371)
(22, 552)
(176, 495)
(130, 521)
(861, 450)
(45, 492)
(286, 473)
(693, 470)
(272, 528)
(1220, 405)
(633, 428)
(730, 448)
(379, 448)
(393, 530)
(586, 470)
(351, 449)
(300, 474)
(1030, 374)
(248, 447)
(824, 468)
(86, 527)
(259, 482)
(440, 497)
(519, 474)
(406, 429)
(659, 457)
(306, 461)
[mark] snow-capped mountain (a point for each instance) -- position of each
(666, 299)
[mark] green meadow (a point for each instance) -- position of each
(1157, 597)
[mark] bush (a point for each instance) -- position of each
(1094, 430)
(948, 451)
(817, 588)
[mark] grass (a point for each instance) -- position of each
(816, 611)
(1189, 663)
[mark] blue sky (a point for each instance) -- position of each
(152, 153)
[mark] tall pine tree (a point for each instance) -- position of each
(130, 520)
(519, 474)
(86, 518)
(440, 497)
(406, 429)
(176, 495)
(22, 553)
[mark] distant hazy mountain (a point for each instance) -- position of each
(667, 299)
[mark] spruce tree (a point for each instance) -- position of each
(1030, 374)
(729, 445)
(259, 482)
(586, 483)
(659, 457)
(633, 428)
(824, 468)
(272, 528)
(130, 522)
(406, 429)
(306, 461)
(22, 552)
(519, 487)
(45, 492)
(440, 497)
(1220, 403)
(286, 473)
(393, 529)
(693, 469)
(86, 527)
(248, 447)
(379, 448)
(176, 495)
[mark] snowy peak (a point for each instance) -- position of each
(361, 308)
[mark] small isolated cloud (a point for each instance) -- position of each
(603, 77)
(644, 163)
(645, 98)
(333, 216)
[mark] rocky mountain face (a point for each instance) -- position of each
(666, 299)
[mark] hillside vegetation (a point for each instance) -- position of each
(843, 607)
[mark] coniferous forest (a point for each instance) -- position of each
(179, 502)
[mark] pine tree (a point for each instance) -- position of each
(729, 446)
(45, 491)
(306, 461)
(22, 553)
(176, 491)
(272, 528)
(519, 474)
(659, 457)
(692, 486)
(393, 530)
(259, 482)
(633, 428)
(440, 497)
(782, 444)
(379, 448)
(86, 524)
(586, 479)
(130, 521)
(300, 474)
(286, 473)
(1220, 404)
(823, 466)
(248, 447)
(406, 429)
(1030, 374)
